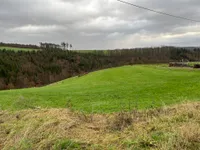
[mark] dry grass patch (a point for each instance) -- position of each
(176, 127)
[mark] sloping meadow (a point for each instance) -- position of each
(111, 90)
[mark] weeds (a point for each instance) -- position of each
(23, 103)
(121, 121)
(67, 144)
(167, 128)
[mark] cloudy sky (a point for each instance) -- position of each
(99, 24)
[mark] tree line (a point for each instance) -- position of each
(37, 68)
(63, 46)
(19, 45)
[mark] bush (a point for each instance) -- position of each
(178, 64)
(121, 121)
(196, 65)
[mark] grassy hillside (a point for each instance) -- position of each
(17, 49)
(141, 86)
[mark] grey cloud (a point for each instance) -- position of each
(99, 24)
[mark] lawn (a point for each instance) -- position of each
(111, 90)
(17, 49)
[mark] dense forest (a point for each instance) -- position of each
(37, 68)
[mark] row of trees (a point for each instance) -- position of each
(37, 68)
(49, 46)
(64, 46)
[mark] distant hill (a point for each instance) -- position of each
(16, 45)
(17, 48)
(29, 68)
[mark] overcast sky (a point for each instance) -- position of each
(99, 24)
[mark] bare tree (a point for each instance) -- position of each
(63, 44)
(67, 45)
(70, 46)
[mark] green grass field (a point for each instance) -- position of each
(111, 90)
(17, 49)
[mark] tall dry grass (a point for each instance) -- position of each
(168, 128)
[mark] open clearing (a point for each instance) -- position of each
(17, 49)
(111, 90)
